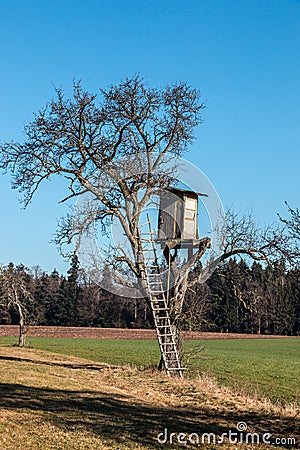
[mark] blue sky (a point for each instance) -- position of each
(244, 56)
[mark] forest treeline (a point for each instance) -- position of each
(237, 298)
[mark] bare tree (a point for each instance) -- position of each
(116, 146)
(293, 226)
(14, 293)
(241, 236)
(245, 237)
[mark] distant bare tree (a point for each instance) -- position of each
(14, 293)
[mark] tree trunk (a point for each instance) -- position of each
(22, 327)
(259, 326)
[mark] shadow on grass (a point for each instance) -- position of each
(57, 363)
(122, 418)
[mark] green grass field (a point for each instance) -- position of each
(263, 367)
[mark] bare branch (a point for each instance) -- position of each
(129, 263)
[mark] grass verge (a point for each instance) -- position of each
(56, 402)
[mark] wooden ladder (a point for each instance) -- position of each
(159, 306)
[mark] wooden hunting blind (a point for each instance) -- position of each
(178, 219)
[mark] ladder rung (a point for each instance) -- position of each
(148, 232)
(164, 345)
(146, 223)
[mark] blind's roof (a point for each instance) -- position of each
(185, 191)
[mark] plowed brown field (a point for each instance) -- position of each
(118, 333)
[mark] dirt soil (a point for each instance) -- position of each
(119, 333)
